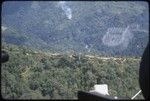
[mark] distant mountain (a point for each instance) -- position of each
(82, 27)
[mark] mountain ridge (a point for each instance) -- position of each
(47, 27)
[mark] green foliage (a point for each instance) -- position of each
(36, 75)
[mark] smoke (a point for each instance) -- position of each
(3, 28)
(117, 37)
(66, 9)
(35, 5)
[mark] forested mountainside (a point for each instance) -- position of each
(57, 48)
(106, 28)
(39, 75)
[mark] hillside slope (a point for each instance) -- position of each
(94, 27)
(37, 75)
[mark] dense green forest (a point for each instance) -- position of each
(33, 74)
(45, 26)
(57, 48)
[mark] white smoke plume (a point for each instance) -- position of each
(35, 5)
(66, 9)
(117, 36)
(3, 28)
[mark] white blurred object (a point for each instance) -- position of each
(101, 88)
(66, 9)
(35, 5)
(116, 97)
(3, 28)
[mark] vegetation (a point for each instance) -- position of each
(53, 57)
(39, 75)
(44, 26)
